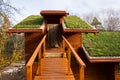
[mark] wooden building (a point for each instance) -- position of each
(52, 33)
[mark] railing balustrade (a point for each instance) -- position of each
(70, 50)
(38, 52)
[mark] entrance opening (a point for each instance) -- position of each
(54, 37)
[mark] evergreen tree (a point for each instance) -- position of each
(95, 22)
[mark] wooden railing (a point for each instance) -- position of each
(70, 50)
(38, 52)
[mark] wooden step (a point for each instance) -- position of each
(54, 53)
(68, 77)
(54, 69)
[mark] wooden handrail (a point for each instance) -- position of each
(32, 59)
(79, 60)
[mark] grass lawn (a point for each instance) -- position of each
(102, 44)
(33, 21)
(76, 22)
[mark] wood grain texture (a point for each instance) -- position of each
(54, 69)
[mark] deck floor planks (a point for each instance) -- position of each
(54, 69)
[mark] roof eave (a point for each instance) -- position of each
(13, 30)
(67, 30)
(100, 59)
(54, 12)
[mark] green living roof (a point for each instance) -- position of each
(102, 44)
(33, 21)
(76, 22)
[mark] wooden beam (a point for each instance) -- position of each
(24, 30)
(105, 59)
(81, 31)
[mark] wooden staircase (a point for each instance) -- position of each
(54, 69)
(54, 66)
(53, 63)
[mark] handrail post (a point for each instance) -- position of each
(30, 64)
(81, 73)
(80, 62)
(69, 60)
(39, 63)
(29, 73)
(44, 49)
(63, 46)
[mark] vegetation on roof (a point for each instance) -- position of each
(76, 22)
(33, 21)
(102, 44)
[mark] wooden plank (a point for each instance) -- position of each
(54, 53)
(24, 30)
(80, 30)
(54, 69)
(54, 78)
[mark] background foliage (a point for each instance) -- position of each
(11, 49)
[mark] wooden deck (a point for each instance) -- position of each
(54, 69)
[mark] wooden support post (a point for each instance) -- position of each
(39, 63)
(61, 20)
(44, 49)
(29, 73)
(81, 73)
(63, 46)
(116, 72)
(45, 28)
(69, 60)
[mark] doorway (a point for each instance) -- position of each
(53, 36)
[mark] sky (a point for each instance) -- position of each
(76, 7)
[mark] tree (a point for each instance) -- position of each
(88, 17)
(95, 22)
(6, 12)
(111, 20)
(6, 41)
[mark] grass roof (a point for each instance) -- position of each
(102, 44)
(33, 21)
(76, 22)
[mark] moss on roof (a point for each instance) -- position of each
(102, 44)
(76, 22)
(33, 21)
